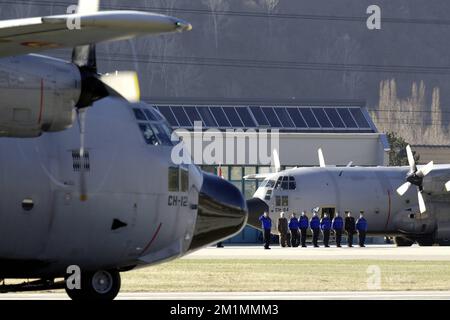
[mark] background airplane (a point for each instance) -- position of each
(86, 176)
(390, 205)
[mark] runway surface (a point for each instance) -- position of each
(371, 252)
(265, 296)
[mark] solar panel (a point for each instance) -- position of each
(309, 117)
(322, 118)
(207, 117)
(347, 118)
(284, 117)
(233, 117)
(246, 117)
(193, 115)
(167, 113)
(259, 116)
(181, 116)
(220, 116)
(272, 117)
(359, 117)
(334, 118)
(297, 118)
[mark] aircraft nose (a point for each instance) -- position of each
(256, 208)
(222, 212)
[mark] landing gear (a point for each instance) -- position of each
(403, 242)
(102, 285)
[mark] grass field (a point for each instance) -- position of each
(288, 275)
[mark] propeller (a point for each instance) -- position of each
(321, 158)
(415, 177)
(276, 160)
(94, 86)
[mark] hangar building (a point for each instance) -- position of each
(343, 129)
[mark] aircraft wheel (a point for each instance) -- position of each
(426, 242)
(102, 285)
(403, 242)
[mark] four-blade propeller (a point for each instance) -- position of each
(415, 177)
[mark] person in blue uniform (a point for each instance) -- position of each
(315, 228)
(325, 226)
(293, 227)
(303, 225)
(266, 224)
(361, 227)
(338, 226)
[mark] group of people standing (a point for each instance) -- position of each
(293, 233)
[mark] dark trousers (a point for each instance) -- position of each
(288, 239)
(338, 234)
(315, 239)
(362, 238)
(266, 237)
(294, 237)
(303, 232)
(326, 237)
(350, 238)
(283, 239)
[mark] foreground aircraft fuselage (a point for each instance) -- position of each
(359, 189)
(141, 208)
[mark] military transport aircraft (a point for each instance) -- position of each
(87, 179)
(391, 207)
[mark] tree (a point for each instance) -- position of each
(397, 155)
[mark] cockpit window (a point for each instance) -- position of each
(139, 115)
(149, 135)
(285, 183)
(270, 184)
(278, 184)
(154, 127)
(292, 183)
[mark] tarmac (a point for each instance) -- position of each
(371, 252)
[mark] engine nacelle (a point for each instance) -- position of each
(38, 94)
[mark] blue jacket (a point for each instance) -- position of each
(303, 222)
(325, 224)
(338, 223)
(266, 223)
(361, 224)
(293, 223)
(315, 223)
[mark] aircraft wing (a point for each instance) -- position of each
(34, 35)
(259, 176)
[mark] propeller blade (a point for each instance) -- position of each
(276, 160)
(447, 186)
(321, 158)
(124, 84)
(422, 206)
(411, 160)
(88, 6)
(82, 125)
(403, 188)
(426, 169)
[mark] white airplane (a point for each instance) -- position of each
(391, 207)
(87, 179)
